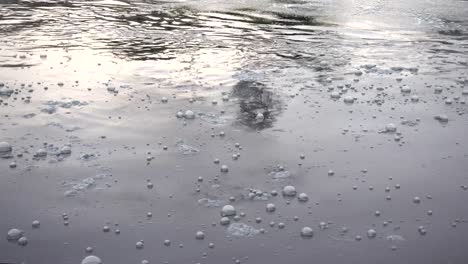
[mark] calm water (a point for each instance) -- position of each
(345, 100)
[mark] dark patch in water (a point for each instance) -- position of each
(256, 98)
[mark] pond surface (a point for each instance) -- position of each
(128, 123)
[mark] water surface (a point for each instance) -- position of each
(94, 75)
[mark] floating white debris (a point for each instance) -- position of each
(259, 117)
(441, 118)
(348, 99)
(23, 241)
(307, 232)
(185, 148)
(210, 203)
(303, 197)
(416, 200)
(14, 234)
(280, 174)
(149, 185)
(228, 210)
(224, 168)
(65, 150)
(270, 208)
(84, 184)
(41, 153)
(139, 244)
(323, 225)
(224, 221)
(5, 147)
(335, 95)
(200, 235)
(36, 224)
(6, 91)
(371, 233)
(289, 191)
(405, 89)
(422, 230)
(164, 99)
(225, 98)
(415, 98)
(179, 114)
(241, 230)
(167, 242)
(91, 260)
(395, 238)
(189, 114)
(390, 128)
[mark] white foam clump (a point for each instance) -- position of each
(14, 234)
(270, 207)
(280, 174)
(303, 197)
(441, 118)
(91, 260)
(186, 149)
(390, 128)
(23, 241)
(200, 235)
(214, 118)
(5, 147)
(307, 232)
(65, 150)
(6, 91)
(258, 195)
(224, 221)
(41, 153)
(36, 224)
(289, 191)
(189, 114)
(228, 210)
(371, 233)
(50, 107)
(224, 168)
(209, 203)
(349, 99)
(260, 117)
(405, 89)
(241, 230)
(83, 185)
(395, 238)
(335, 95)
(80, 186)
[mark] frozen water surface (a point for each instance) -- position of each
(130, 128)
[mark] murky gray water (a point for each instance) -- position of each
(358, 104)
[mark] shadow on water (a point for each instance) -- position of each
(254, 98)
